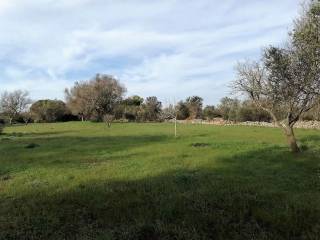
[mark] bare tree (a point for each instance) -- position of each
(171, 113)
(13, 103)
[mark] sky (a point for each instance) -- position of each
(165, 48)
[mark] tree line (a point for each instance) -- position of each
(283, 87)
(102, 99)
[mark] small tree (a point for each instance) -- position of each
(108, 119)
(229, 108)
(13, 103)
(171, 113)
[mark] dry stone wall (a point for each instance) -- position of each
(221, 122)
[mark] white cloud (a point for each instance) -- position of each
(168, 48)
(4, 5)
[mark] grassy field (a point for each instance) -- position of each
(136, 181)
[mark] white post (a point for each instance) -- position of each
(175, 127)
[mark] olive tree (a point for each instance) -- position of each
(13, 103)
(152, 109)
(95, 98)
(80, 99)
(195, 104)
(229, 108)
(286, 83)
(48, 110)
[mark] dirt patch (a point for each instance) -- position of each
(32, 145)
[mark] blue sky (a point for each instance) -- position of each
(168, 48)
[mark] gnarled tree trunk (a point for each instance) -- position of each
(288, 131)
(291, 139)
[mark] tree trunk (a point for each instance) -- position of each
(291, 139)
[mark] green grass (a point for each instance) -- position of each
(136, 181)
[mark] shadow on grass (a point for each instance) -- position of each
(265, 194)
(36, 134)
(67, 151)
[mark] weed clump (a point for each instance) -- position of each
(304, 147)
(5, 177)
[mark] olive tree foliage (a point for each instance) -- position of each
(132, 108)
(191, 108)
(95, 98)
(80, 99)
(194, 105)
(210, 112)
(286, 83)
(182, 110)
(48, 110)
(152, 108)
(229, 108)
(13, 103)
(250, 112)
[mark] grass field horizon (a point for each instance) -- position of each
(83, 180)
